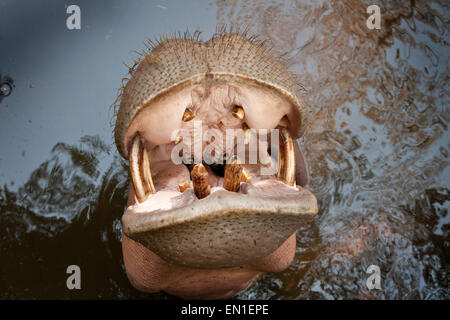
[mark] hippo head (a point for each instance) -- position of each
(216, 192)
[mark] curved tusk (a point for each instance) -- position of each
(286, 158)
(140, 170)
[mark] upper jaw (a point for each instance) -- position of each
(176, 63)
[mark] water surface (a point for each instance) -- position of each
(377, 146)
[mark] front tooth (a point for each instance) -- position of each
(140, 170)
(232, 176)
(238, 113)
(188, 115)
(200, 181)
(286, 158)
(148, 182)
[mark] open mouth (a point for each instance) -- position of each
(206, 198)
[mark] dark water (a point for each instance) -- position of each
(377, 148)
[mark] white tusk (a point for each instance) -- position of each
(140, 170)
(286, 158)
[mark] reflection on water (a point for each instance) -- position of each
(377, 148)
(67, 213)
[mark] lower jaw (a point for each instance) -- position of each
(220, 289)
(156, 275)
(225, 229)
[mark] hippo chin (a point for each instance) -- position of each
(203, 219)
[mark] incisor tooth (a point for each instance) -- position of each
(238, 113)
(286, 158)
(188, 115)
(183, 186)
(140, 170)
(232, 176)
(200, 181)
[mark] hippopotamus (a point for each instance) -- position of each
(201, 229)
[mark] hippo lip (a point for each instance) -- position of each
(216, 215)
(225, 229)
